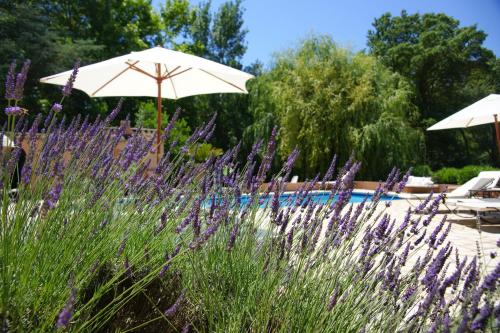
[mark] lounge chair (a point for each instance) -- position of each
(481, 207)
(418, 185)
(485, 181)
(475, 184)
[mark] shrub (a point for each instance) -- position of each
(422, 170)
(92, 243)
(459, 176)
(446, 176)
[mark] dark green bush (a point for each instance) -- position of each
(446, 176)
(459, 176)
(422, 170)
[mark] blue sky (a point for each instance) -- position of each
(275, 25)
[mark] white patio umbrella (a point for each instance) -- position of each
(156, 72)
(484, 111)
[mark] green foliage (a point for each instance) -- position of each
(422, 170)
(459, 176)
(328, 100)
(448, 69)
(121, 26)
(203, 151)
(27, 34)
(446, 176)
(146, 117)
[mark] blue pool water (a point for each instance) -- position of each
(288, 199)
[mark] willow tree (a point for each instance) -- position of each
(329, 100)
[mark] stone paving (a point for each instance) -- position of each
(464, 234)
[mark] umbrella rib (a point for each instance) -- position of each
(132, 66)
(231, 84)
(171, 82)
(113, 78)
(468, 123)
(169, 73)
(168, 76)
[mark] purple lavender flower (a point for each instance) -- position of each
(171, 311)
(436, 266)
(113, 113)
(14, 110)
(290, 160)
(255, 148)
(381, 228)
(126, 266)
(403, 181)
(490, 280)
(186, 328)
(10, 81)
(453, 278)
(21, 80)
(232, 236)
(446, 322)
(329, 173)
(67, 312)
(432, 237)
(471, 276)
(53, 196)
(480, 322)
(424, 203)
(444, 234)
(123, 243)
(408, 293)
(170, 125)
(164, 269)
(404, 255)
(66, 90)
(266, 162)
(406, 221)
(56, 107)
(419, 240)
(333, 299)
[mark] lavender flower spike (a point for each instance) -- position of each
(66, 90)
(173, 309)
(21, 80)
(10, 81)
(67, 312)
(56, 107)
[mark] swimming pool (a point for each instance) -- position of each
(288, 199)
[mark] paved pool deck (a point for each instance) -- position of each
(466, 235)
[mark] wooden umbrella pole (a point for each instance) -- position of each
(497, 131)
(158, 116)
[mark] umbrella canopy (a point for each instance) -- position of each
(482, 112)
(156, 72)
(479, 113)
(136, 74)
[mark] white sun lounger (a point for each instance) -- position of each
(481, 207)
(475, 184)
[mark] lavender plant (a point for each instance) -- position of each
(92, 237)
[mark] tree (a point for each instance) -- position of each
(218, 36)
(328, 100)
(120, 25)
(25, 34)
(448, 68)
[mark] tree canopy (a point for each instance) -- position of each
(449, 68)
(329, 100)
